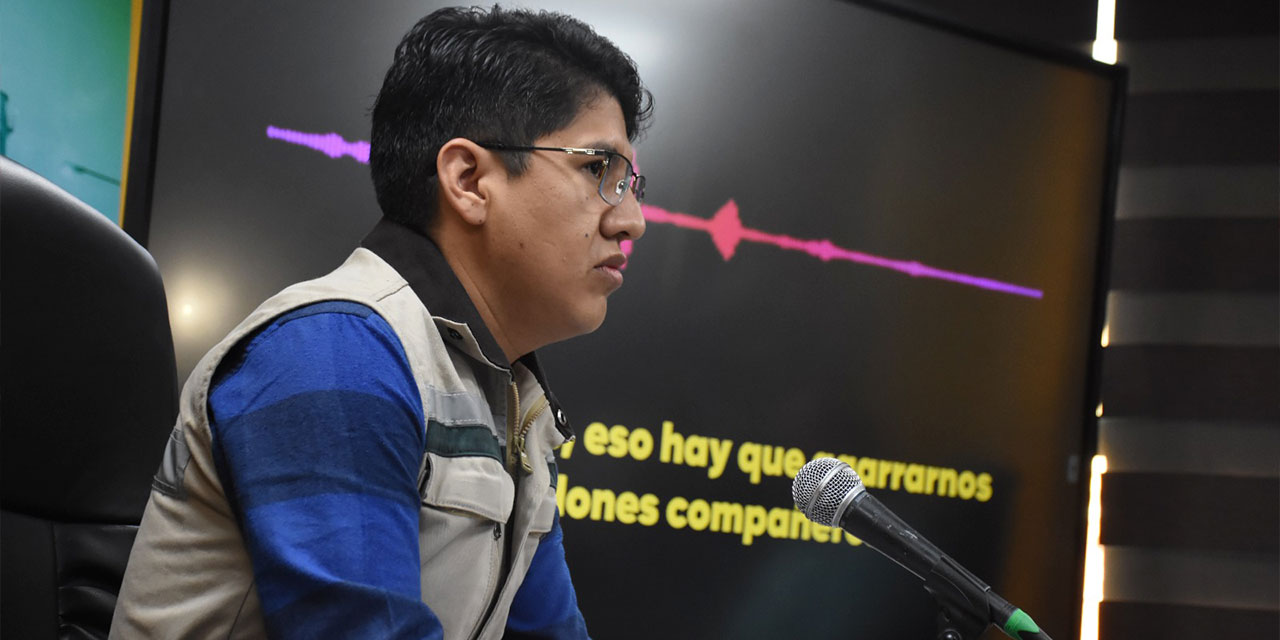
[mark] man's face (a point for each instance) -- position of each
(555, 241)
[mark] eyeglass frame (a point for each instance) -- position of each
(635, 180)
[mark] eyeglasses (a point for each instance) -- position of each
(614, 170)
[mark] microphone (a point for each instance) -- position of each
(830, 493)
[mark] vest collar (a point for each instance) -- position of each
(418, 259)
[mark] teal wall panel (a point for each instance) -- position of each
(64, 68)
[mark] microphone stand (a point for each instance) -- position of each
(966, 606)
(957, 617)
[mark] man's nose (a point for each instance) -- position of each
(625, 220)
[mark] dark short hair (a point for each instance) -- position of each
(496, 75)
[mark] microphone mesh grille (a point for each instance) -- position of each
(807, 479)
(806, 483)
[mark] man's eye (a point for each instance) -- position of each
(597, 168)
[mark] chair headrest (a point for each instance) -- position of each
(89, 384)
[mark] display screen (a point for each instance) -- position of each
(867, 237)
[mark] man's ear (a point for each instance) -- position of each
(464, 173)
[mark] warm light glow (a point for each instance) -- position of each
(1106, 334)
(1094, 553)
(1098, 412)
(1105, 48)
(198, 303)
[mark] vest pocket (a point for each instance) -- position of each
(465, 500)
(477, 485)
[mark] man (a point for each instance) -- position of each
(371, 454)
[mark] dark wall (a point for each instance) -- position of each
(1067, 24)
(1191, 379)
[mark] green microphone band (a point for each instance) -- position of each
(1020, 622)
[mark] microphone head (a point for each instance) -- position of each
(822, 487)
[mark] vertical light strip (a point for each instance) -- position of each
(1094, 553)
(1105, 48)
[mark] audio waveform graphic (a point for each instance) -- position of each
(330, 144)
(725, 227)
(726, 231)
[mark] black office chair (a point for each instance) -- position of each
(88, 395)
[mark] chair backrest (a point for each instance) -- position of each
(88, 395)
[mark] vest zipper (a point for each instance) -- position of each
(522, 435)
(497, 581)
(513, 411)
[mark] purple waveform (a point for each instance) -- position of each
(330, 144)
(725, 227)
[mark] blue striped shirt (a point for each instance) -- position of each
(318, 436)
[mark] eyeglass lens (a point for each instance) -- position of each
(617, 179)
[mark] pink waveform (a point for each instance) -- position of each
(726, 231)
(330, 144)
(725, 227)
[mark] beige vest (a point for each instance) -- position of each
(485, 502)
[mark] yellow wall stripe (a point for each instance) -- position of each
(135, 35)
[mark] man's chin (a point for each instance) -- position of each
(587, 322)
